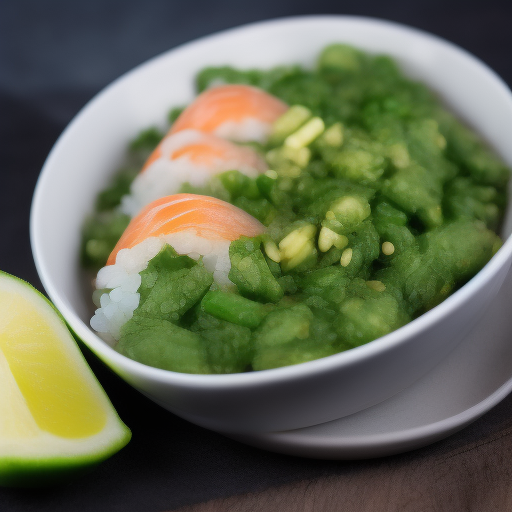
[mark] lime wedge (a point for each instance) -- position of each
(55, 419)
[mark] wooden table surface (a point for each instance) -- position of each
(56, 55)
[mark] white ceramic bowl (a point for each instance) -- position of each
(92, 146)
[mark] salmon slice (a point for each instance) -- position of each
(209, 217)
(235, 112)
(191, 157)
(208, 151)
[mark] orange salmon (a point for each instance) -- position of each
(235, 112)
(208, 151)
(211, 218)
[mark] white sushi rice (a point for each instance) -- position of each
(165, 176)
(123, 278)
(250, 129)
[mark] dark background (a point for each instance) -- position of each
(56, 55)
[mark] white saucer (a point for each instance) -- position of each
(474, 378)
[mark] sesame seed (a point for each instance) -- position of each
(346, 257)
(388, 248)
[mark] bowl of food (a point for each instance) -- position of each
(318, 229)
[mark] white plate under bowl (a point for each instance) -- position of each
(474, 378)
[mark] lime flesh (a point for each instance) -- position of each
(55, 419)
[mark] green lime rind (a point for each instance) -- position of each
(48, 459)
(28, 472)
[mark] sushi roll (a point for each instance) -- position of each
(188, 156)
(200, 227)
(236, 112)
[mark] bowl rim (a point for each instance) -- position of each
(286, 373)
